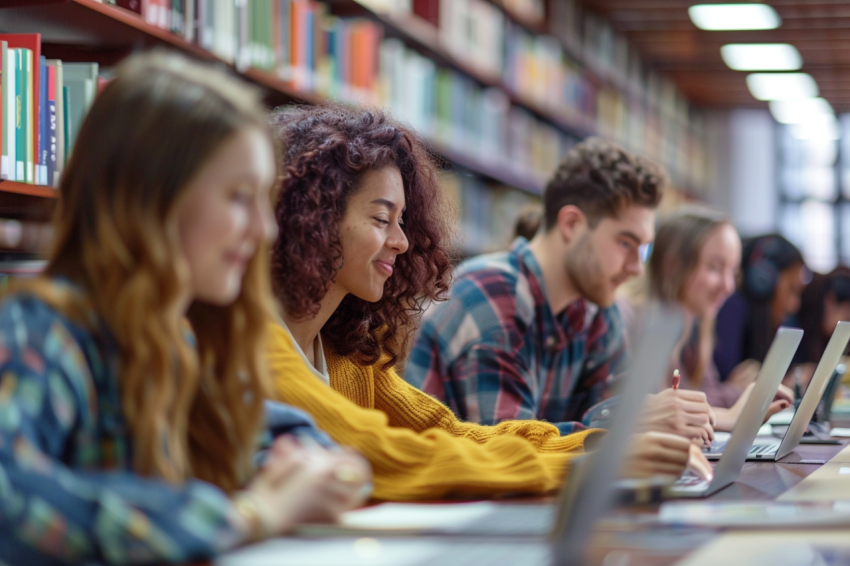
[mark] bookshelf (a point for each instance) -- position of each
(88, 30)
(14, 187)
(609, 103)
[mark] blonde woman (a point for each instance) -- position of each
(694, 262)
(132, 373)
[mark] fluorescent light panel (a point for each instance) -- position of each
(782, 86)
(761, 57)
(817, 130)
(801, 111)
(714, 17)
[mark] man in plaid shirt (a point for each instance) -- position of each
(533, 332)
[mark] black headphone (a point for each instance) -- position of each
(762, 273)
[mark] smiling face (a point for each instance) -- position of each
(372, 235)
(226, 215)
(605, 257)
(713, 279)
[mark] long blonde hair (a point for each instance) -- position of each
(675, 255)
(193, 410)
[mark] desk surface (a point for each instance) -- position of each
(758, 481)
(661, 546)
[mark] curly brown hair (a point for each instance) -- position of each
(601, 179)
(328, 148)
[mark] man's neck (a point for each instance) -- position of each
(550, 255)
(305, 331)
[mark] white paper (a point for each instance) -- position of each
(782, 417)
(412, 516)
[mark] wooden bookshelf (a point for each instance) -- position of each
(87, 30)
(25, 189)
(424, 37)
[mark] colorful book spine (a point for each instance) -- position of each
(52, 126)
(28, 103)
(4, 111)
(42, 123)
(10, 103)
(20, 116)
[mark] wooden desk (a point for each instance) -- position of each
(759, 481)
(633, 539)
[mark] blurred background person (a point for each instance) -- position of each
(528, 222)
(773, 275)
(825, 301)
(693, 264)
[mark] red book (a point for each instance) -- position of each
(428, 10)
(132, 5)
(31, 41)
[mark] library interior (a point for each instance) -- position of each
(405, 282)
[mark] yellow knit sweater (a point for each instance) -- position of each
(417, 447)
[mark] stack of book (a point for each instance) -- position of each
(42, 104)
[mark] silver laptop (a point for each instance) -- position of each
(772, 449)
(586, 496)
(772, 371)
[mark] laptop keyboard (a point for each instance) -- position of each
(755, 450)
(689, 479)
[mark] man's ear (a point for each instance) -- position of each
(571, 223)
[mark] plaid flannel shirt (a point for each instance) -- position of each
(495, 350)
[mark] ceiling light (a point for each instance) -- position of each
(761, 57)
(825, 128)
(734, 16)
(800, 111)
(782, 86)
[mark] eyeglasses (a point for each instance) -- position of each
(645, 252)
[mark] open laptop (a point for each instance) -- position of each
(585, 497)
(772, 371)
(772, 449)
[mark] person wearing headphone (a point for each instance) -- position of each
(773, 275)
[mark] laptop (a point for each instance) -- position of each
(772, 371)
(581, 502)
(772, 449)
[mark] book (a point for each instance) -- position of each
(132, 5)
(20, 115)
(31, 42)
(41, 168)
(57, 89)
(10, 102)
(80, 80)
(29, 126)
(5, 116)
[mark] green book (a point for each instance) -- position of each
(5, 117)
(29, 122)
(20, 117)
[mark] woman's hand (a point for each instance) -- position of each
(661, 454)
(683, 413)
(302, 484)
(726, 418)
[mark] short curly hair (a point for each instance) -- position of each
(602, 179)
(327, 149)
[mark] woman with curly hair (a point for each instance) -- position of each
(133, 372)
(363, 244)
